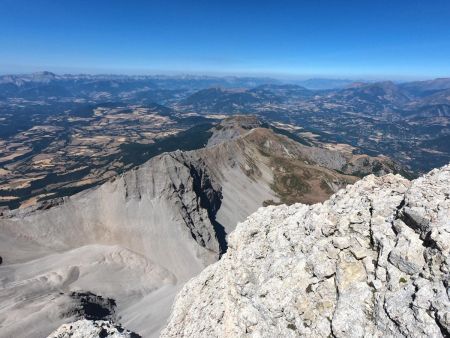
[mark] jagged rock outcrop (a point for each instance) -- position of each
(371, 261)
(92, 329)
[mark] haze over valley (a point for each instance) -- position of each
(63, 133)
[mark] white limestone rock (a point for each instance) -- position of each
(372, 261)
(91, 329)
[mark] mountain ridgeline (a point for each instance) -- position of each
(137, 238)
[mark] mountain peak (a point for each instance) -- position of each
(241, 121)
(233, 127)
(43, 75)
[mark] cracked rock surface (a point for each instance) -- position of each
(371, 261)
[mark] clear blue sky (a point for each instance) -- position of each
(337, 38)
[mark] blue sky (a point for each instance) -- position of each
(334, 38)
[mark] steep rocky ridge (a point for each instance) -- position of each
(373, 260)
(138, 238)
(294, 172)
(175, 181)
(272, 142)
(134, 239)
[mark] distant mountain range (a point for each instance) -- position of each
(381, 94)
(76, 85)
(322, 84)
(106, 81)
(395, 119)
(46, 84)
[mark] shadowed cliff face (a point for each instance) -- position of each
(211, 200)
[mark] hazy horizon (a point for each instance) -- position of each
(405, 40)
(273, 76)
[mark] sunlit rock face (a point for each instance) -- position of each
(371, 261)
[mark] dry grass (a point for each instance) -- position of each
(297, 182)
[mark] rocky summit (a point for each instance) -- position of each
(371, 261)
